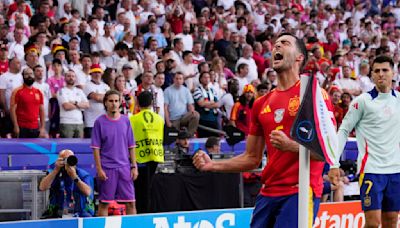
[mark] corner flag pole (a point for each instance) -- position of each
(304, 171)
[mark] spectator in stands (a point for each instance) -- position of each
(241, 76)
(177, 51)
(67, 184)
(247, 58)
(206, 104)
(179, 108)
(131, 83)
(155, 34)
(27, 108)
(9, 81)
(56, 81)
(16, 48)
(127, 98)
(114, 155)
(347, 84)
(94, 91)
(240, 116)
(147, 125)
(45, 89)
(3, 58)
(262, 89)
(72, 102)
(159, 79)
(366, 83)
(228, 100)
(188, 69)
(146, 85)
(213, 145)
(186, 37)
(106, 45)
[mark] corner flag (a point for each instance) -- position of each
(314, 126)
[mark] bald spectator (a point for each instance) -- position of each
(248, 59)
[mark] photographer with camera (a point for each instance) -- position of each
(67, 182)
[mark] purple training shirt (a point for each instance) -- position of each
(113, 138)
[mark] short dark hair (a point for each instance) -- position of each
(201, 64)
(186, 53)
(241, 66)
(383, 59)
(37, 66)
(301, 47)
(145, 99)
(212, 141)
(58, 61)
(203, 73)
(176, 40)
(262, 86)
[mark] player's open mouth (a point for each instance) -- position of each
(278, 57)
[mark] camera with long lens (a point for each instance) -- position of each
(71, 160)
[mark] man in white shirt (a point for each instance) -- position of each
(177, 51)
(72, 102)
(127, 4)
(94, 91)
(45, 89)
(186, 37)
(197, 57)
(83, 75)
(366, 83)
(242, 71)
(106, 45)
(347, 84)
(9, 81)
(239, 27)
(189, 70)
(16, 48)
(248, 59)
(159, 79)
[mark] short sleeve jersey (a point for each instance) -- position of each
(277, 111)
(113, 138)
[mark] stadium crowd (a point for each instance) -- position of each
(203, 61)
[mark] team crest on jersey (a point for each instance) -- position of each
(293, 106)
(278, 115)
(37, 97)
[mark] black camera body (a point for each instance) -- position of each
(71, 160)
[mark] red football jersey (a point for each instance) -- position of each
(277, 111)
(28, 101)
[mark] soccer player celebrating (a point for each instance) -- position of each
(271, 121)
(376, 117)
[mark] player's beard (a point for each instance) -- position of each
(287, 63)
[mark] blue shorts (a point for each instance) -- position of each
(327, 188)
(380, 191)
(279, 212)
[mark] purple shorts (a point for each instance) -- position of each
(118, 186)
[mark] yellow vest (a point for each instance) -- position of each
(148, 130)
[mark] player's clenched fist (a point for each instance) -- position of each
(202, 161)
